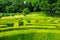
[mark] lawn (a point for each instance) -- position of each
(31, 34)
(34, 26)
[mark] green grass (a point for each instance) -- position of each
(30, 35)
(36, 26)
(34, 20)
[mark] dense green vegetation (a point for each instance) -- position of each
(29, 20)
(26, 6)
(14, 6)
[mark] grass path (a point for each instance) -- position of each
(41, 24)
(15, 32)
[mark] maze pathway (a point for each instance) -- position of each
(30, 24)
(32, 21)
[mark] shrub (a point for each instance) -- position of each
(1, 14)
(25, 11)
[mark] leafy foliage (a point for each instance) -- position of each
(25, 11)
(14, 6)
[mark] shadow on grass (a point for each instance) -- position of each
(53, 15)
(57, 15)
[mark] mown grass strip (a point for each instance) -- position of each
(27, 27)
(15, 32)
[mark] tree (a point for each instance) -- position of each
(52, 4)
(52, 1)
(31, 7)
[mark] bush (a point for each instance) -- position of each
(25, 11)
(1, 14)
(6, 14)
